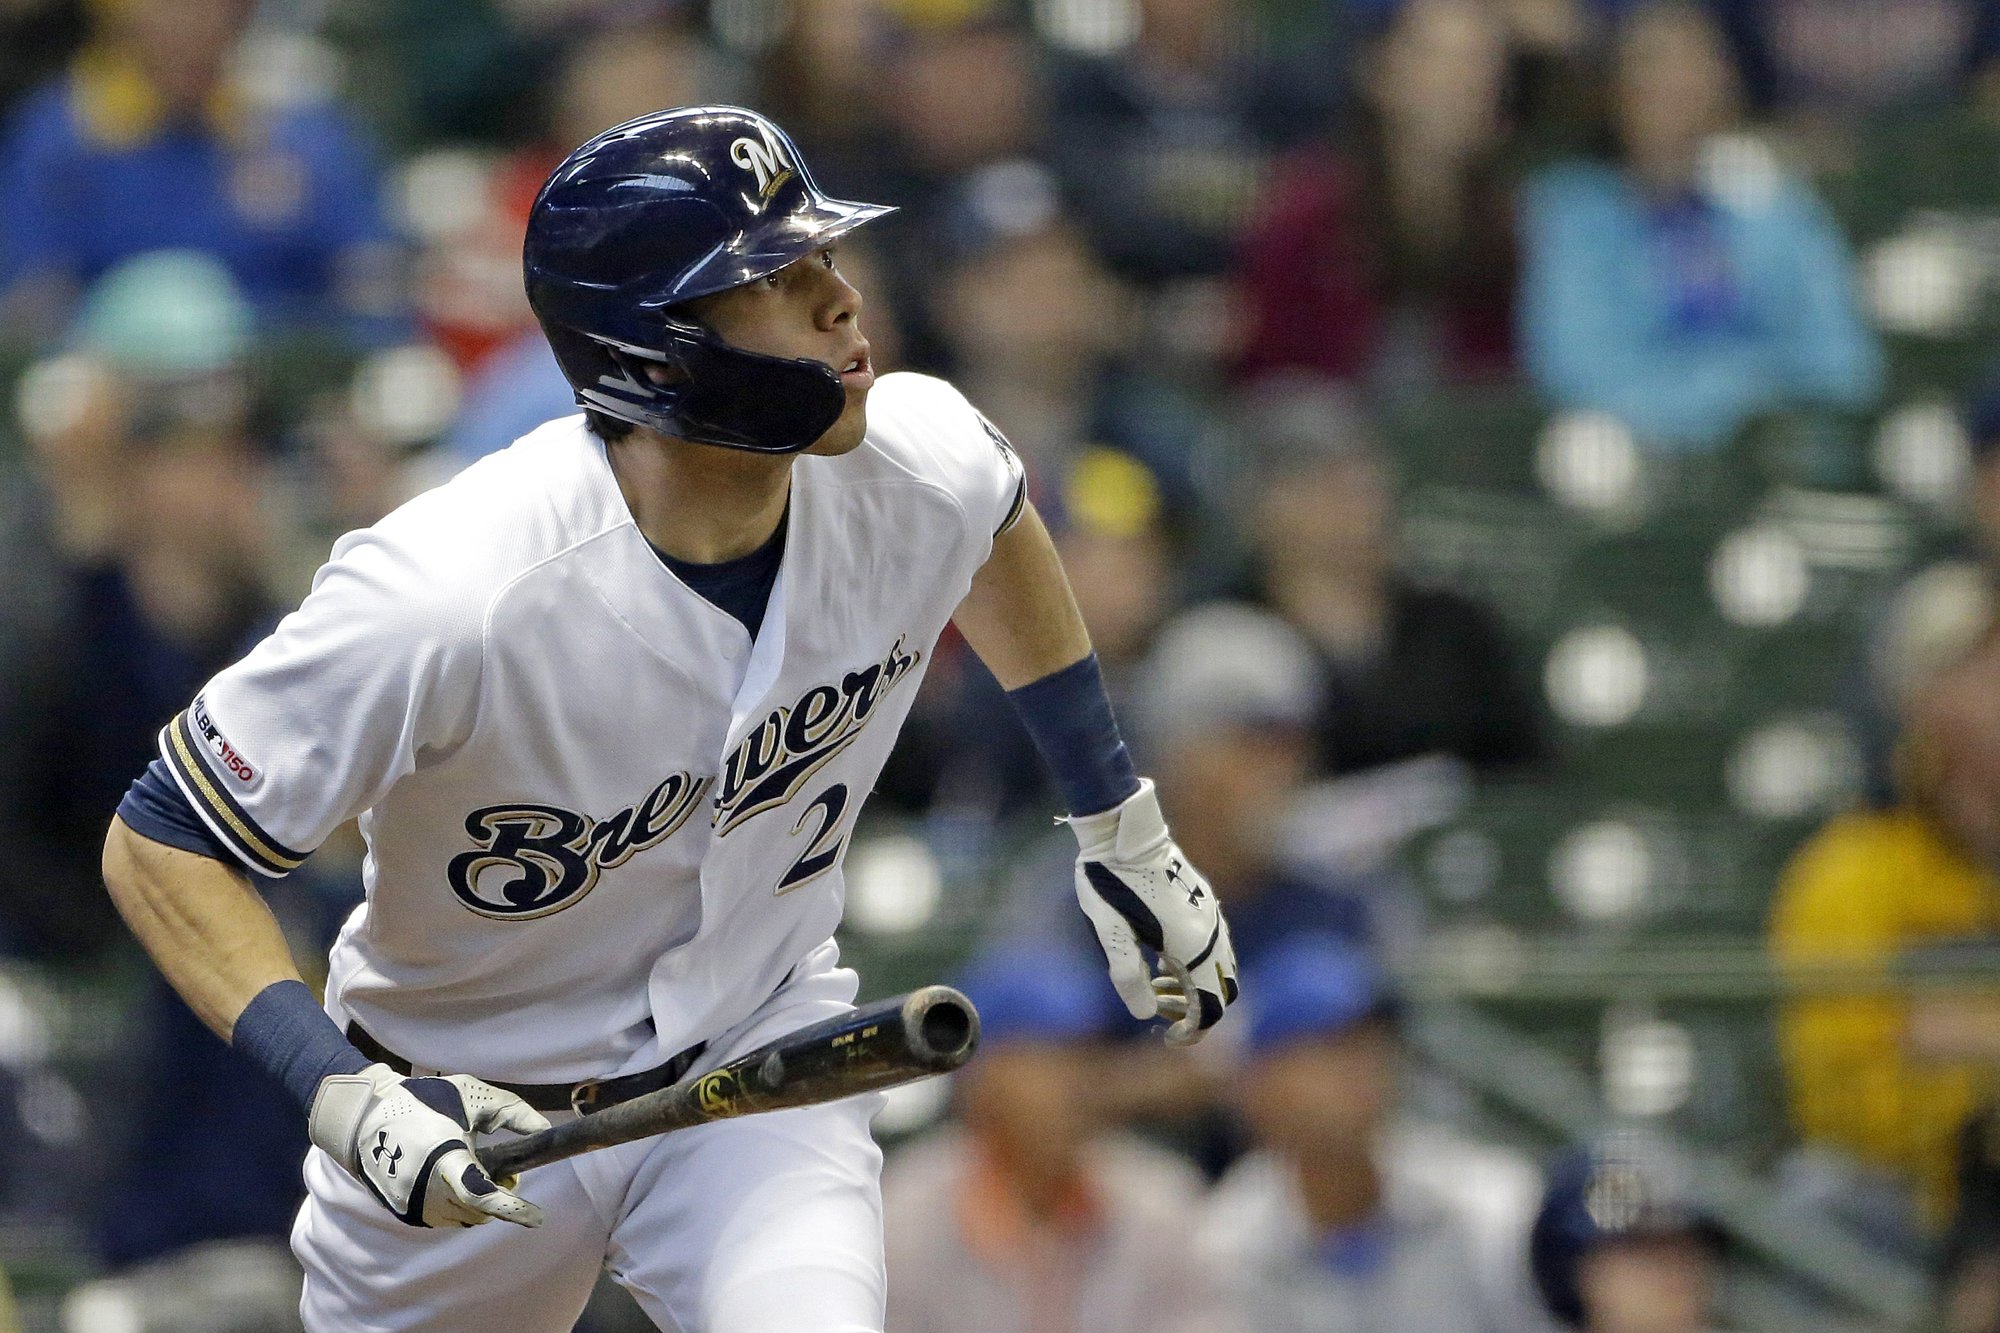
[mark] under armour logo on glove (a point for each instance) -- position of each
(1137, 889)
(431, 1121)
(1193, 890)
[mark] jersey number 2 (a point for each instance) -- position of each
(824, 849)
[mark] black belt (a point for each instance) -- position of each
(590, 1095)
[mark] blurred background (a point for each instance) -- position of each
(1531, 469)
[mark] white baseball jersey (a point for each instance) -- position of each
(602, 822)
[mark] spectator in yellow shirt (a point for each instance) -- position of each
(1884, 1078)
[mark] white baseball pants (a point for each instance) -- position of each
(767, 1224)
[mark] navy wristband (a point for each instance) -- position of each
(1069, 716)
(285, 1032)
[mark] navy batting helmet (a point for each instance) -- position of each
(654, 213)
(1627, 1185)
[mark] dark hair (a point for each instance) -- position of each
(605, 428)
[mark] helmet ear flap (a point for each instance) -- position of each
(700, 388)
(746, 400)
(667, 376)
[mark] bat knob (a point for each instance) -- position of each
(941, 1027)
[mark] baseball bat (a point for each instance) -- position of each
(931, 1030)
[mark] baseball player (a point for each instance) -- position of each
(607, 705)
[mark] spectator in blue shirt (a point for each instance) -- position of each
(146, 143)
(1352, 1214)
(1690, 284)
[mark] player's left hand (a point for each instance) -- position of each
(1137, 888)
(408, 1141)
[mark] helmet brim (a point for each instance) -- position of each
(754, 254)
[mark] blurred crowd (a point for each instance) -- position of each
(259, 283)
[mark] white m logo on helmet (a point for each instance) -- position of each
(766, 159)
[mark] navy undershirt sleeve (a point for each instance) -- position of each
(741, 587)
(156, 808)
(1069, 716)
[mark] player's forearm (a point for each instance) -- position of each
(1019, 616)
(1022, 621)
(206, 929)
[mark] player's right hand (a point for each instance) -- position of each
(408, 1141)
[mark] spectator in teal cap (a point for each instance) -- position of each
(1349, 1215)
(1028, 1213)
(141, 523)
(168, 333)
(173, 328)
(167, 313)
(142, 527)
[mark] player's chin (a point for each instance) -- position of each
(845, 434)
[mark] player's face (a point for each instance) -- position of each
(805, 310)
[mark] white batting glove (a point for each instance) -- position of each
(1137, 888)
(408, 1141)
